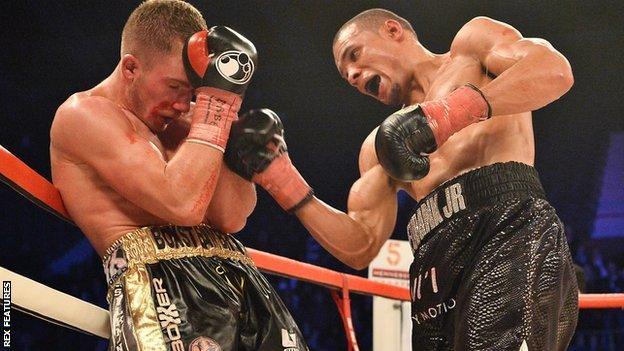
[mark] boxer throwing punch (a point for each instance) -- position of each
(141, 172)
(492, 269)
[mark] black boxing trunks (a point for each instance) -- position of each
(492, 269)
(192, 289)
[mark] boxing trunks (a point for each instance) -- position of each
(492, 269)
(192, 289)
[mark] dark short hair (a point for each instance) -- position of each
(155, 25)
(373, 19)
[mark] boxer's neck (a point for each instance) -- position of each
(116, 88)
(424, 67)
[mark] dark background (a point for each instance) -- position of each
(50, 49)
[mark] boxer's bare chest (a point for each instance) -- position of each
(455, 72)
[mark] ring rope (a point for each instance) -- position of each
(56, 307)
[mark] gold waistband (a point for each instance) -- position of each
(152, 244)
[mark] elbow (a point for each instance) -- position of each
(226, 221)
(568, 79)
(233, 222)
(358, 264)
(186, 220)
(186, 215)
(362, 259)
(559, 72)
(555, 72)
(235, 228)
(233, 225)
(563, 77)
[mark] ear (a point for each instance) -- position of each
(130, 66)
(393, 29)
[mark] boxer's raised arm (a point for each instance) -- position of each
(530, 72)
(234, 198)
(233, 201)
(96, 132)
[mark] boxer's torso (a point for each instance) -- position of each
(499, 139)
(100, 212)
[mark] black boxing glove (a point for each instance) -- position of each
(400, 144)
(257, 151)
(219, 58)
(219, 64)
(247, 151)
(404, 140)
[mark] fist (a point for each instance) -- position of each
(256, 139)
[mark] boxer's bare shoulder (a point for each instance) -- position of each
(479, 35)
(80, 113)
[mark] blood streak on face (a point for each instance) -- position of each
(161, 115)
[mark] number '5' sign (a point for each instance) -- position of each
(394, 256)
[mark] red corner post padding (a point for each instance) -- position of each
(30, 184)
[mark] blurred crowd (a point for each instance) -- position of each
(599, 329)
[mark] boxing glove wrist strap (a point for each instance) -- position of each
(214, 112)
(461, 108)
(285, 184)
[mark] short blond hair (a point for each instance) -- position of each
(155, 25)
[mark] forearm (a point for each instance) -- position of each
(539, 77)
(342, 236)
(189, 182)
(355, 237)
(233, 201)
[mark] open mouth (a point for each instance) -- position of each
(372, 86)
